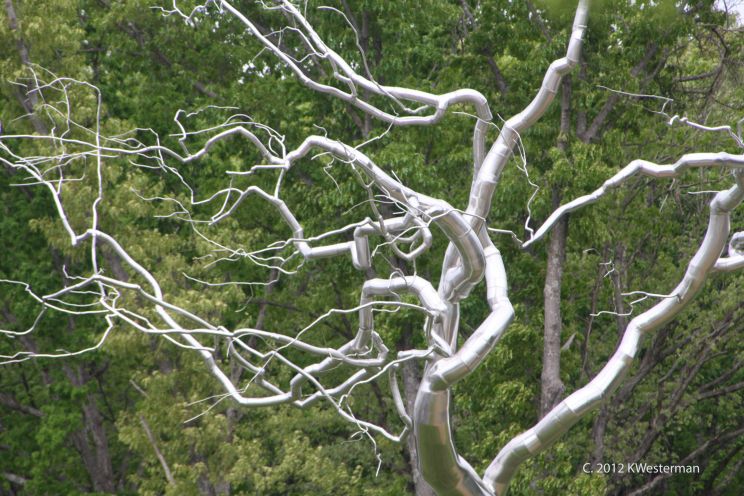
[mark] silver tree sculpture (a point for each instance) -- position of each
(470, 257)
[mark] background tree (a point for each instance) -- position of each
(98, 423)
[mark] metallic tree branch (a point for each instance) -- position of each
(470, 257)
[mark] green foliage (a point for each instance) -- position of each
(148, 66)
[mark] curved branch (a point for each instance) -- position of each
(646, 168)
(579, 403)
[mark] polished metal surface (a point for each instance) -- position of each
(470, 257)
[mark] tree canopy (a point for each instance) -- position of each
(141, 415)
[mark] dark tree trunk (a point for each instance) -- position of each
(551, 386)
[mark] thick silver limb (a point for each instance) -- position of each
(570, 410)
(689, 161)
(344, 73)
(470, 256)
(442, 467)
